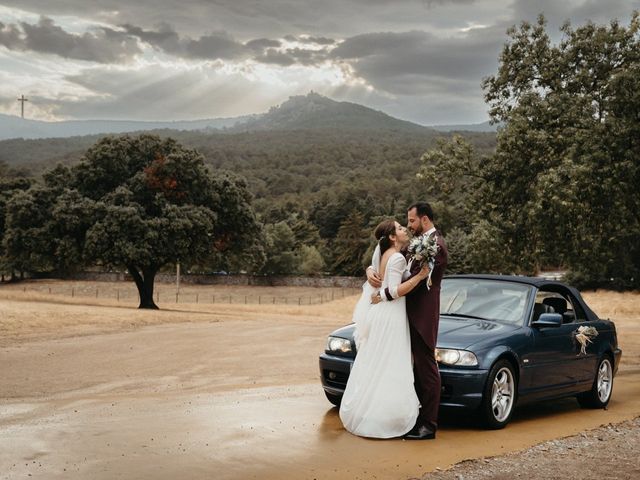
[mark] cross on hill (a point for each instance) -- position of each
(22, 100)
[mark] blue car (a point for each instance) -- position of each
(505, 340)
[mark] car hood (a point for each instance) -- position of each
(454, 332)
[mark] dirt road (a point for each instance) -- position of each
(225, 395)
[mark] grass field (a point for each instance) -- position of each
(49, 308)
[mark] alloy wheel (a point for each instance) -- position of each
(502, 394)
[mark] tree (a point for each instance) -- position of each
(11, 183)
(311, 262)
(134, 202)
(281, 253)
(564, 179)
(351, 245)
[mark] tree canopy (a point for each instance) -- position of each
(138, 203)
(561, 189)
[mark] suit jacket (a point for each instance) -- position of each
(423, 305)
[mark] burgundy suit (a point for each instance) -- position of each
(423, 311)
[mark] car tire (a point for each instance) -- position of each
(600, 393)
(499, 396)
(335, 399)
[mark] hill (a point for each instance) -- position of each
(314, 111)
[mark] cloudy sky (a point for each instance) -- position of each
(419, 60)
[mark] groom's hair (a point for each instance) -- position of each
(422, 209)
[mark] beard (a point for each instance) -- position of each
(418, 231)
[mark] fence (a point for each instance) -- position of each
(166, 294)
(235, 280)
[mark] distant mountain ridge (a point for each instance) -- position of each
(312, 111)
(16, 127)
(303, 112)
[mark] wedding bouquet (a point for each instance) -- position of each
(423, 249)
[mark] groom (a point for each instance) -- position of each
(423, 312)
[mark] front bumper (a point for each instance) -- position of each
(461, 388)
(334, 372)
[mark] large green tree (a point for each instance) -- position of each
(566, 174)
(12, 182)
(134, 202)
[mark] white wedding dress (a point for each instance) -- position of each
(380, 400)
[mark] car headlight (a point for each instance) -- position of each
(449, 356)
(337, 344)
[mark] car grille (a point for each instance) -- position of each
(334, 378)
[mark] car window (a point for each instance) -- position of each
(563, 303)
(487, 299)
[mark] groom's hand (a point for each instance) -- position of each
(373, 278)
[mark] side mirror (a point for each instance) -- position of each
(547, 320)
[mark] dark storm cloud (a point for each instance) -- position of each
(11, 37)
(260, 44)
(418, 62)
(102, 45)
(211, 47)
(557, 13)
(224, 47)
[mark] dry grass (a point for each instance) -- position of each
(624, 310)
(29, 311)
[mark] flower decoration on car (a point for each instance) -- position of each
(584, 336)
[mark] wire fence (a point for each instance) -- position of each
(202, 296)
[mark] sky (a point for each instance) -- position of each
(418, 60)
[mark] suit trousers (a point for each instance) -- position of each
(426, 380)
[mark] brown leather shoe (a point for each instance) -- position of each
(421, 433)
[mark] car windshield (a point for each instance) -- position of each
(485, 299)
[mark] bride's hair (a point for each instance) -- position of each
(382, 233)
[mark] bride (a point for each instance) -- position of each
(380, 400)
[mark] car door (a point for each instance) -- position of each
(552, 358)
(584, 364)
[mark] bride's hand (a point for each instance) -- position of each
(375, 298)
(424, 272)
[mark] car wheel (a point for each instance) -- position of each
(600, 393)
(499, 396)
(335, 399)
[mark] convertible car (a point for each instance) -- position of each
(502, 341)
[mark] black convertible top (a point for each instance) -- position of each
(535, 281)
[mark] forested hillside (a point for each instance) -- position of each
(295, 165)
(318, 193)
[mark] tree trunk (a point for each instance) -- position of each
(144, 281)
